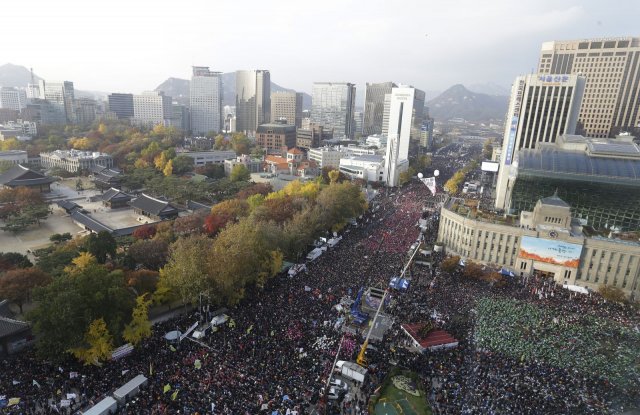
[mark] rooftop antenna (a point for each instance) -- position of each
(33, 80)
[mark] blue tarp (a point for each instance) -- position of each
(506, 272)
(399, 283)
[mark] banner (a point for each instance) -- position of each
(14, 401)
(71, 396)
(430, 182)
(73, 375)
(65, 403)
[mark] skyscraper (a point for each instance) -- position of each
(253, 99)
(13, 98)
(374, 107)
(152, 108)
(417, 113)
(205, 100)
(287, 105)
(61, 95)
(611, 68)
(121, 105)
(402, 114)
(333, 105)
(541, 108)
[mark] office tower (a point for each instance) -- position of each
(13, 98)
(358, 121)
(402, 115)
(417, 114)
(152, 108)
(61, 95)
(85, 110)
(121, 105)
(426, 133)
(611, 67)
(333, 105)
(374, 107)
(205, 100)
(541, 108)
(180, 118)
(33, 91)
(287, 105)
(253, 99)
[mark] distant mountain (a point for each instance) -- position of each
(459, 102)
(490, 88)
(178, 89)
(15, 75)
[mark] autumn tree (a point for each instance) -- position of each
(240, 143)
(13, 260)
(144, 232)
(450, 264)
(611, 293)
(17, 285)
(80, 263)
(98, 344)
(140, 327)
(472, 270)
(168, 168)
(221, 143)
(143, 280)
(190, 224)
(149, 253)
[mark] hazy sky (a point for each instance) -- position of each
(133, 45)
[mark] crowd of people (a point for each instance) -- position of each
(276, 356)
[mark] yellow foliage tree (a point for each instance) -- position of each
(140, 327)
(160, 161)
(10, 144)
(141, 164)
(102, 128)
(98, 344)
(80, 263)
(82, 143)
(168, 168)
(333, 176)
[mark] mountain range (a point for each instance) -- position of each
(459, 102)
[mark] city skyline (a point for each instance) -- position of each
(433, 56)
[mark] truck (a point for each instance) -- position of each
(351, 370)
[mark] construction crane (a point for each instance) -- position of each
(362, 359)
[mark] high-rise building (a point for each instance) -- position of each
(541, 108)
(85, 110)
(333, 105)
(205, 100)
(121, 105)
(152, 108)
(402, 115)
(253, 99)
(374, 107)
(13, 98)
(358, 121)
(180, 118)
(417, 114)
(61, 95)
(426, 133)
(611, 67)
(287, 105)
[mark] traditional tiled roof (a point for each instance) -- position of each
(114, 194)
(154, 206)
(10, 326)
(89, 222)
(19, 175)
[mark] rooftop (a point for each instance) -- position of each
(19, 175)
(75, 154)
(9, 326)
(153, 205)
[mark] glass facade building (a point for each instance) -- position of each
(333, 106)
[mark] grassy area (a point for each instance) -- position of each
(589, 344)
(401, 394)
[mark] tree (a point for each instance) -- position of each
(66, 307)
(168, 168)
(453, 184)
(240, 143)
(149, 253)
(80, 263)
(255, 189)
(487, 149)
(611, 293)
(60, 237)
(98, 344)
(325, 175)
(212, 171)
(239, 173)
(472, 270)
(334, 175)
(406, 176)
(140, 327)
(221, 143)
(182, 164)
(13, 260)
(340, 202)
(17, 284)
(143, 281)
(101, 245)
(144, 232)
(187, 268)
(190, 224)
(450, 264)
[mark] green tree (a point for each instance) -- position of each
(182, 164)
(152, 254)
(406, 176)
(239, 173)
(221, 143)
(187, 269)
(140, 327)
(13, 260)
(66, 307)
(98, 344)
(101, 245)
(240, 143)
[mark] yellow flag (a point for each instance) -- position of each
(174, 395)
(166, 388)
(14, 401)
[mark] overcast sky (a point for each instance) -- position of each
(133, 45)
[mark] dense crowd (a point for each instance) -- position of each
(276, 356)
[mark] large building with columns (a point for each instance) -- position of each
(546, 242)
